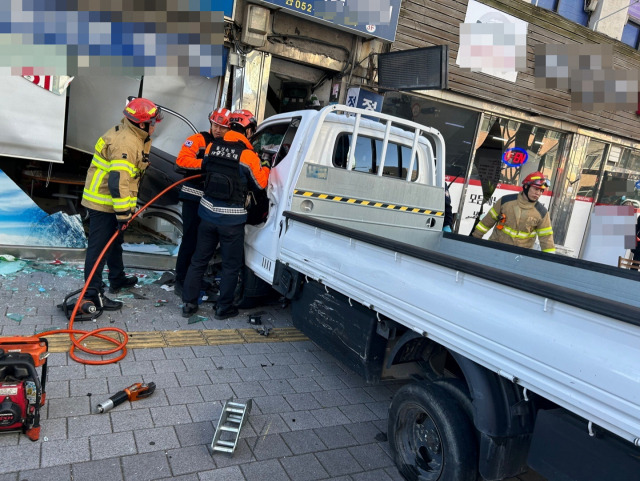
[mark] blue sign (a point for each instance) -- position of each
(363, 99)
(372, 19)
(515, 157)
(638, 185)
(225, 5)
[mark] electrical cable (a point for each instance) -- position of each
(120, 345)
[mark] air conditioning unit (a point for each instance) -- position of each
(590, 5)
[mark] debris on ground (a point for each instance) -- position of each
(263, 331)
(196, 318)
(15, 317)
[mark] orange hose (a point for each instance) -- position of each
(120, 345)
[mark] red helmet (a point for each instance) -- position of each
(220, 117)
(243, 118)
(143, 110)
(536, 178)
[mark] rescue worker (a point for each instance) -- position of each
(110, 194)
(231, 167)
(189, 161)
(519, 218)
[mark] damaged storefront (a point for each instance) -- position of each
(278, 56)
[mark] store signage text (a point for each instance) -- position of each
(515, 157)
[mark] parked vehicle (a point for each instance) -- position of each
(514, 358)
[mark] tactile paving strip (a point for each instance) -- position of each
(154, 339)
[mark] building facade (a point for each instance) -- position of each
(591, 155)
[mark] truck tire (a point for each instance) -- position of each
(431, 436)
(458, 390)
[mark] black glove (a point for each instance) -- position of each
(122, 225)
(200, 154)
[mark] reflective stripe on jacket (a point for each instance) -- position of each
(120, 158)
(524, 221)
(251, 173)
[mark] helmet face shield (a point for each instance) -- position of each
(157, 117)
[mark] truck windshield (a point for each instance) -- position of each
(272, 143)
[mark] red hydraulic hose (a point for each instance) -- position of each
(120, 345)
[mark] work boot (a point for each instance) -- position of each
(122, 283)
(104, 303)
(189, 309)
(225, 312)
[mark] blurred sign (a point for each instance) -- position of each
(372, 19)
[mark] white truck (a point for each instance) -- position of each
(514, 357)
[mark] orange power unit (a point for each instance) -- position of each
(22, 392)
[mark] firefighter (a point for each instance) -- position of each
(231, 167)
(189, 161)
(110, 194)
(519, 218)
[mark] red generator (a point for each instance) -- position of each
(22, 392)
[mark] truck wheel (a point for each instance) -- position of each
(430, 435)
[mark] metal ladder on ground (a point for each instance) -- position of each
(232, 418)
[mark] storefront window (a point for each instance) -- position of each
(621, 179)
(576, 196)
(506, 151)
(456, 125)
(588, 181)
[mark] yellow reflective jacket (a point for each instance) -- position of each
(120, 158)
(524, 221)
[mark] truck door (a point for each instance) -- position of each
(273, 143)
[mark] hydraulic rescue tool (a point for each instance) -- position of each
(22, 392)
(132, 393)
(87, 310)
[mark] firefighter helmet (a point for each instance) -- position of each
(220, 117)
(536, 178)
(141, 110)
(243, 118)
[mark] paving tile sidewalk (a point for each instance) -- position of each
(312, 419)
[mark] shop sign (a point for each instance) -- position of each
(225, 5)
(371, 19)
(515, 157)
(364, 99)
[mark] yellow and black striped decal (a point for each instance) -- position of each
(370, 203)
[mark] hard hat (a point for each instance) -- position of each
(141, 110)
(220, 117)
(536, 178)
(243, 118)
